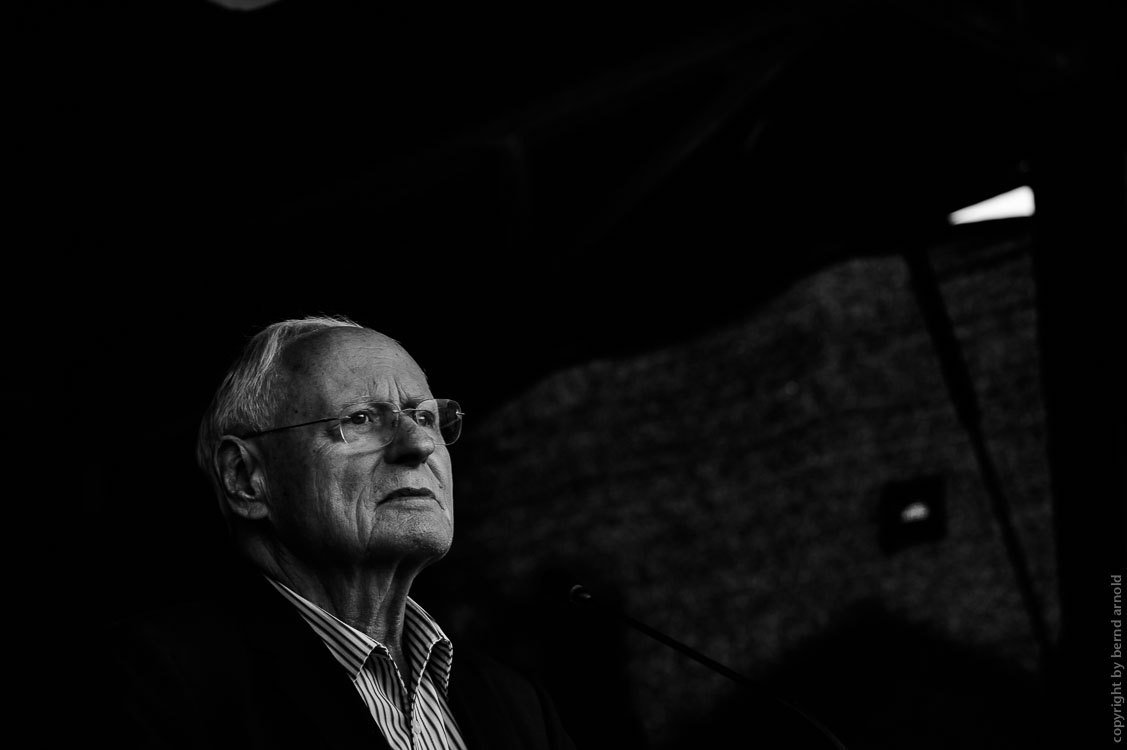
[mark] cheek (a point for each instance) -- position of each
(322, 493)
(343, 487)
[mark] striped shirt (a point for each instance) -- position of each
(418, 718)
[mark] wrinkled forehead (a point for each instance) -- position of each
(329, 368)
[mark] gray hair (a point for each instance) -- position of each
(248, 398)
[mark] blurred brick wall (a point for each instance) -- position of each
(725, 491)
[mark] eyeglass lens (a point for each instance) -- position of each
(375, 424)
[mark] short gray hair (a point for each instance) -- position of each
(248, 398)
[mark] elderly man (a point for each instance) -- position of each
(330, 457)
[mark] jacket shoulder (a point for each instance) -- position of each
(502, 707)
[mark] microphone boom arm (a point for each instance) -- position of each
(580, 596)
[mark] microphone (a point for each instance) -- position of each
(579, 595)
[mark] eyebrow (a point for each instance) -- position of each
(407, 403)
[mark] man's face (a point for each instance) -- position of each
(334, 503)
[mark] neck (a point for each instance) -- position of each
(370, 598)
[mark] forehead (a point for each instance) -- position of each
(337, 365)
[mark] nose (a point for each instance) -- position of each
(412, 444)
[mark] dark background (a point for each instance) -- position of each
(517, 192)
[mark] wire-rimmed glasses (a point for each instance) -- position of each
(375, 424)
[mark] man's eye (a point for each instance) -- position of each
(360, 418)
(426, 418)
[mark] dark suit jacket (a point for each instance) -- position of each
(246, 671)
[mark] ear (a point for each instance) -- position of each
(242, 475)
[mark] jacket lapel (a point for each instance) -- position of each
(482, 716)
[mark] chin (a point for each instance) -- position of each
(426, 542)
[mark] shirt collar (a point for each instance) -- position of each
(427, 647)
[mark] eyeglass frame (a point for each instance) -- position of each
(397, 411)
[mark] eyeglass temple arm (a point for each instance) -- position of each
(289, 427)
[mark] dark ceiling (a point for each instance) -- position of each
(505, 190)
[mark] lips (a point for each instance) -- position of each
(403, 492)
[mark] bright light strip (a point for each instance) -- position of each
(1017, 202)
(915, 512)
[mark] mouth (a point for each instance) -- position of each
(408, 492)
